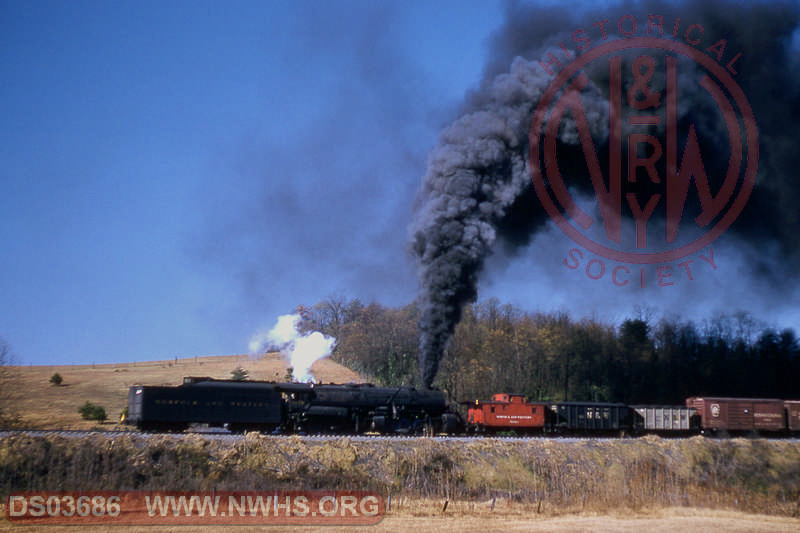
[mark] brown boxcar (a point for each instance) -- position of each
(506, 412)
(793, 415)
(740, 414)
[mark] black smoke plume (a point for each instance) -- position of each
(477, 195)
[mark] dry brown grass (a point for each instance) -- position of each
(542, 478)
(43, 405)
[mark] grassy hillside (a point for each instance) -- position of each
(43, 405)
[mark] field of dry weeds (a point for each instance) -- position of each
(546, 477)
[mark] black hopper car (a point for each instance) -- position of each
(289, 407)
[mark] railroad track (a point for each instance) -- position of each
(226, 436)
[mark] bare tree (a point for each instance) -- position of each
(8, 414)
(330, 314)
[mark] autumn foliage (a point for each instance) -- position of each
(552, 356)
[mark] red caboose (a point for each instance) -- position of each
(506, 412)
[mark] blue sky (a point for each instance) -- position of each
(146, 144)
(176, 175)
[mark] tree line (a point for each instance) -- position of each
(554, 357)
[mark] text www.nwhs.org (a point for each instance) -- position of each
(178, 507)
(328, 506)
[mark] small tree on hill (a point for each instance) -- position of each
(239, 374)
(289, 374)
(90, 411)
(56, 379)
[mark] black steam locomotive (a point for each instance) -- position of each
(289, 407)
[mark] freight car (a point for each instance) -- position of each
(709, 416)
(591, 418)
(792, 416)
(666, 420)
(289, 407)
(740, 415)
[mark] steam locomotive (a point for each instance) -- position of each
(289, 407)
(308, 408)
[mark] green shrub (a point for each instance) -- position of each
(56, 379)
(89, 411)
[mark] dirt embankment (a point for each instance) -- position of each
(548, 477)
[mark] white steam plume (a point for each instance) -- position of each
(302, 351)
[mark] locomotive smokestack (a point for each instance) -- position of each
(477, 189)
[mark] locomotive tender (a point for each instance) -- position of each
(288, 407)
